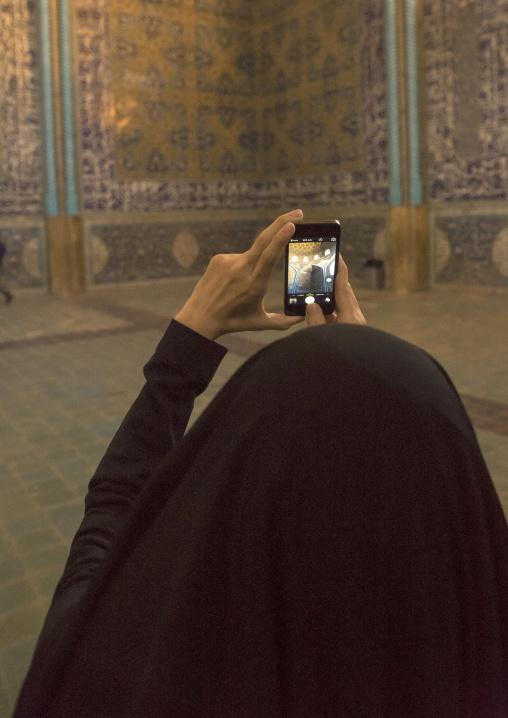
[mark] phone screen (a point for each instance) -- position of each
(311, 267)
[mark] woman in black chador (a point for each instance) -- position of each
(325, 542)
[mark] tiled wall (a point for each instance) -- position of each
(471, 250)
(21, 154)
(103, 189)
(229, 91)
(21, 158)
(467, 141)
(24, 264)
(129, 252)
(133, 251)
(466, 52)
(117, 253)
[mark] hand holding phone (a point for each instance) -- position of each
(229, 297)
(311, 261)
(347, 309)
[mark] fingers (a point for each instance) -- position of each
(342, 280)
(314, 315)
(265, 263)
(270, 232)
(282, 322)
(268, 247)
(276, 246)
(348, 309)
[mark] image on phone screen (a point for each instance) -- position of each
(311, 267)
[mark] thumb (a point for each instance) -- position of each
(314, 315)
(281, 321)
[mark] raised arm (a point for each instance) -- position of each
(181, 368)
(229, 297)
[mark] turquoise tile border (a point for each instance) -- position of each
(47, 108)
(415, 179)
(393, 102)
(411, 46)
(68, 109)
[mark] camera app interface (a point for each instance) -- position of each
(311, 270)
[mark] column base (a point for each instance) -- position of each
(64, 241)
(409, 249)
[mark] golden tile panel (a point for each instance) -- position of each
(206, 89)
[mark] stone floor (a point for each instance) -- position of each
(71, 368)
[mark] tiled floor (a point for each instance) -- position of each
(71, 368)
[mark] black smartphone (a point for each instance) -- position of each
(311, 262)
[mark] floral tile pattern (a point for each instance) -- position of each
(466, 50)
(21, 156)
(472, 250)
(111, 164)
(24, 265)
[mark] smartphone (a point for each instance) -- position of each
(311, 262)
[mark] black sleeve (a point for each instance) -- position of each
(181, 369)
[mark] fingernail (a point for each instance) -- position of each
(297, 214)
(312, 308)
(288, 228)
